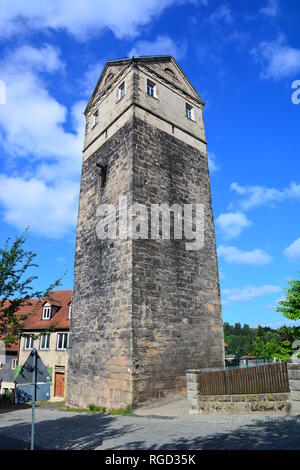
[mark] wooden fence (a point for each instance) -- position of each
(258, 379)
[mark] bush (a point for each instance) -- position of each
(95, 409)
(6, 398)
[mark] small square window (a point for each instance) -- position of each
(122, 90)
(45, 341)
(95, 118)
(28, 342)
(151, 88)
(189, 111)
(62, 341)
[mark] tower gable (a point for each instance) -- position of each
(163, 66)
(168, 70)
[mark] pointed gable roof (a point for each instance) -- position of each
(156, 64)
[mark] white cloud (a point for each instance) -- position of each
(232, 224)
(256, 196)
(277, 58)
(44, 59)
(248, 293)
(212, 163)
(221, 14)
(32, 127)
(292, 252)
(81, 18)
(233, 255)
(162, 45)
(50, 210)
(32, 120)
(271, 8)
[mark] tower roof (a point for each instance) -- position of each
(181, 80)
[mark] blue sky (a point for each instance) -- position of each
(241, 56)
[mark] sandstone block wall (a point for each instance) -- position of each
(100, 354)
(176, 310)
(143, 310)
(294, 382)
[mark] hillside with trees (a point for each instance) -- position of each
(261, 342)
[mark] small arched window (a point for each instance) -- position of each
(108, 78)
(170, 72)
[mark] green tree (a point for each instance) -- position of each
(16, 286)
(239, 339)
(290, 306)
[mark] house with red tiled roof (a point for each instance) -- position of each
(47, 329)
(8, 364)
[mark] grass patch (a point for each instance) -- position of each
(74, 410)
(92, 409)
(120, 411)
(95, 409)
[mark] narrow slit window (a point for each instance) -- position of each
(102, 175)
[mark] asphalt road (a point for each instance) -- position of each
(167, 426)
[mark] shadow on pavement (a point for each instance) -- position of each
(91, 431)
(78, 432)
(9, 408)
(283, 434)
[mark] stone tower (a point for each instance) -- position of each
(143, 310)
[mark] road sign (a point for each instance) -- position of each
(25, 393)
(25, 375)
(32, 373)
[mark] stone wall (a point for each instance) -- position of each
(143, 310)
(100, 354)
(176, 309)
(294, 381)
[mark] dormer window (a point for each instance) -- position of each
(189, 111)
(121, 90)
(46, 311)
(151, 88)
(95, 118)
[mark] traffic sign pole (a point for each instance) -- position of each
(34, 376)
